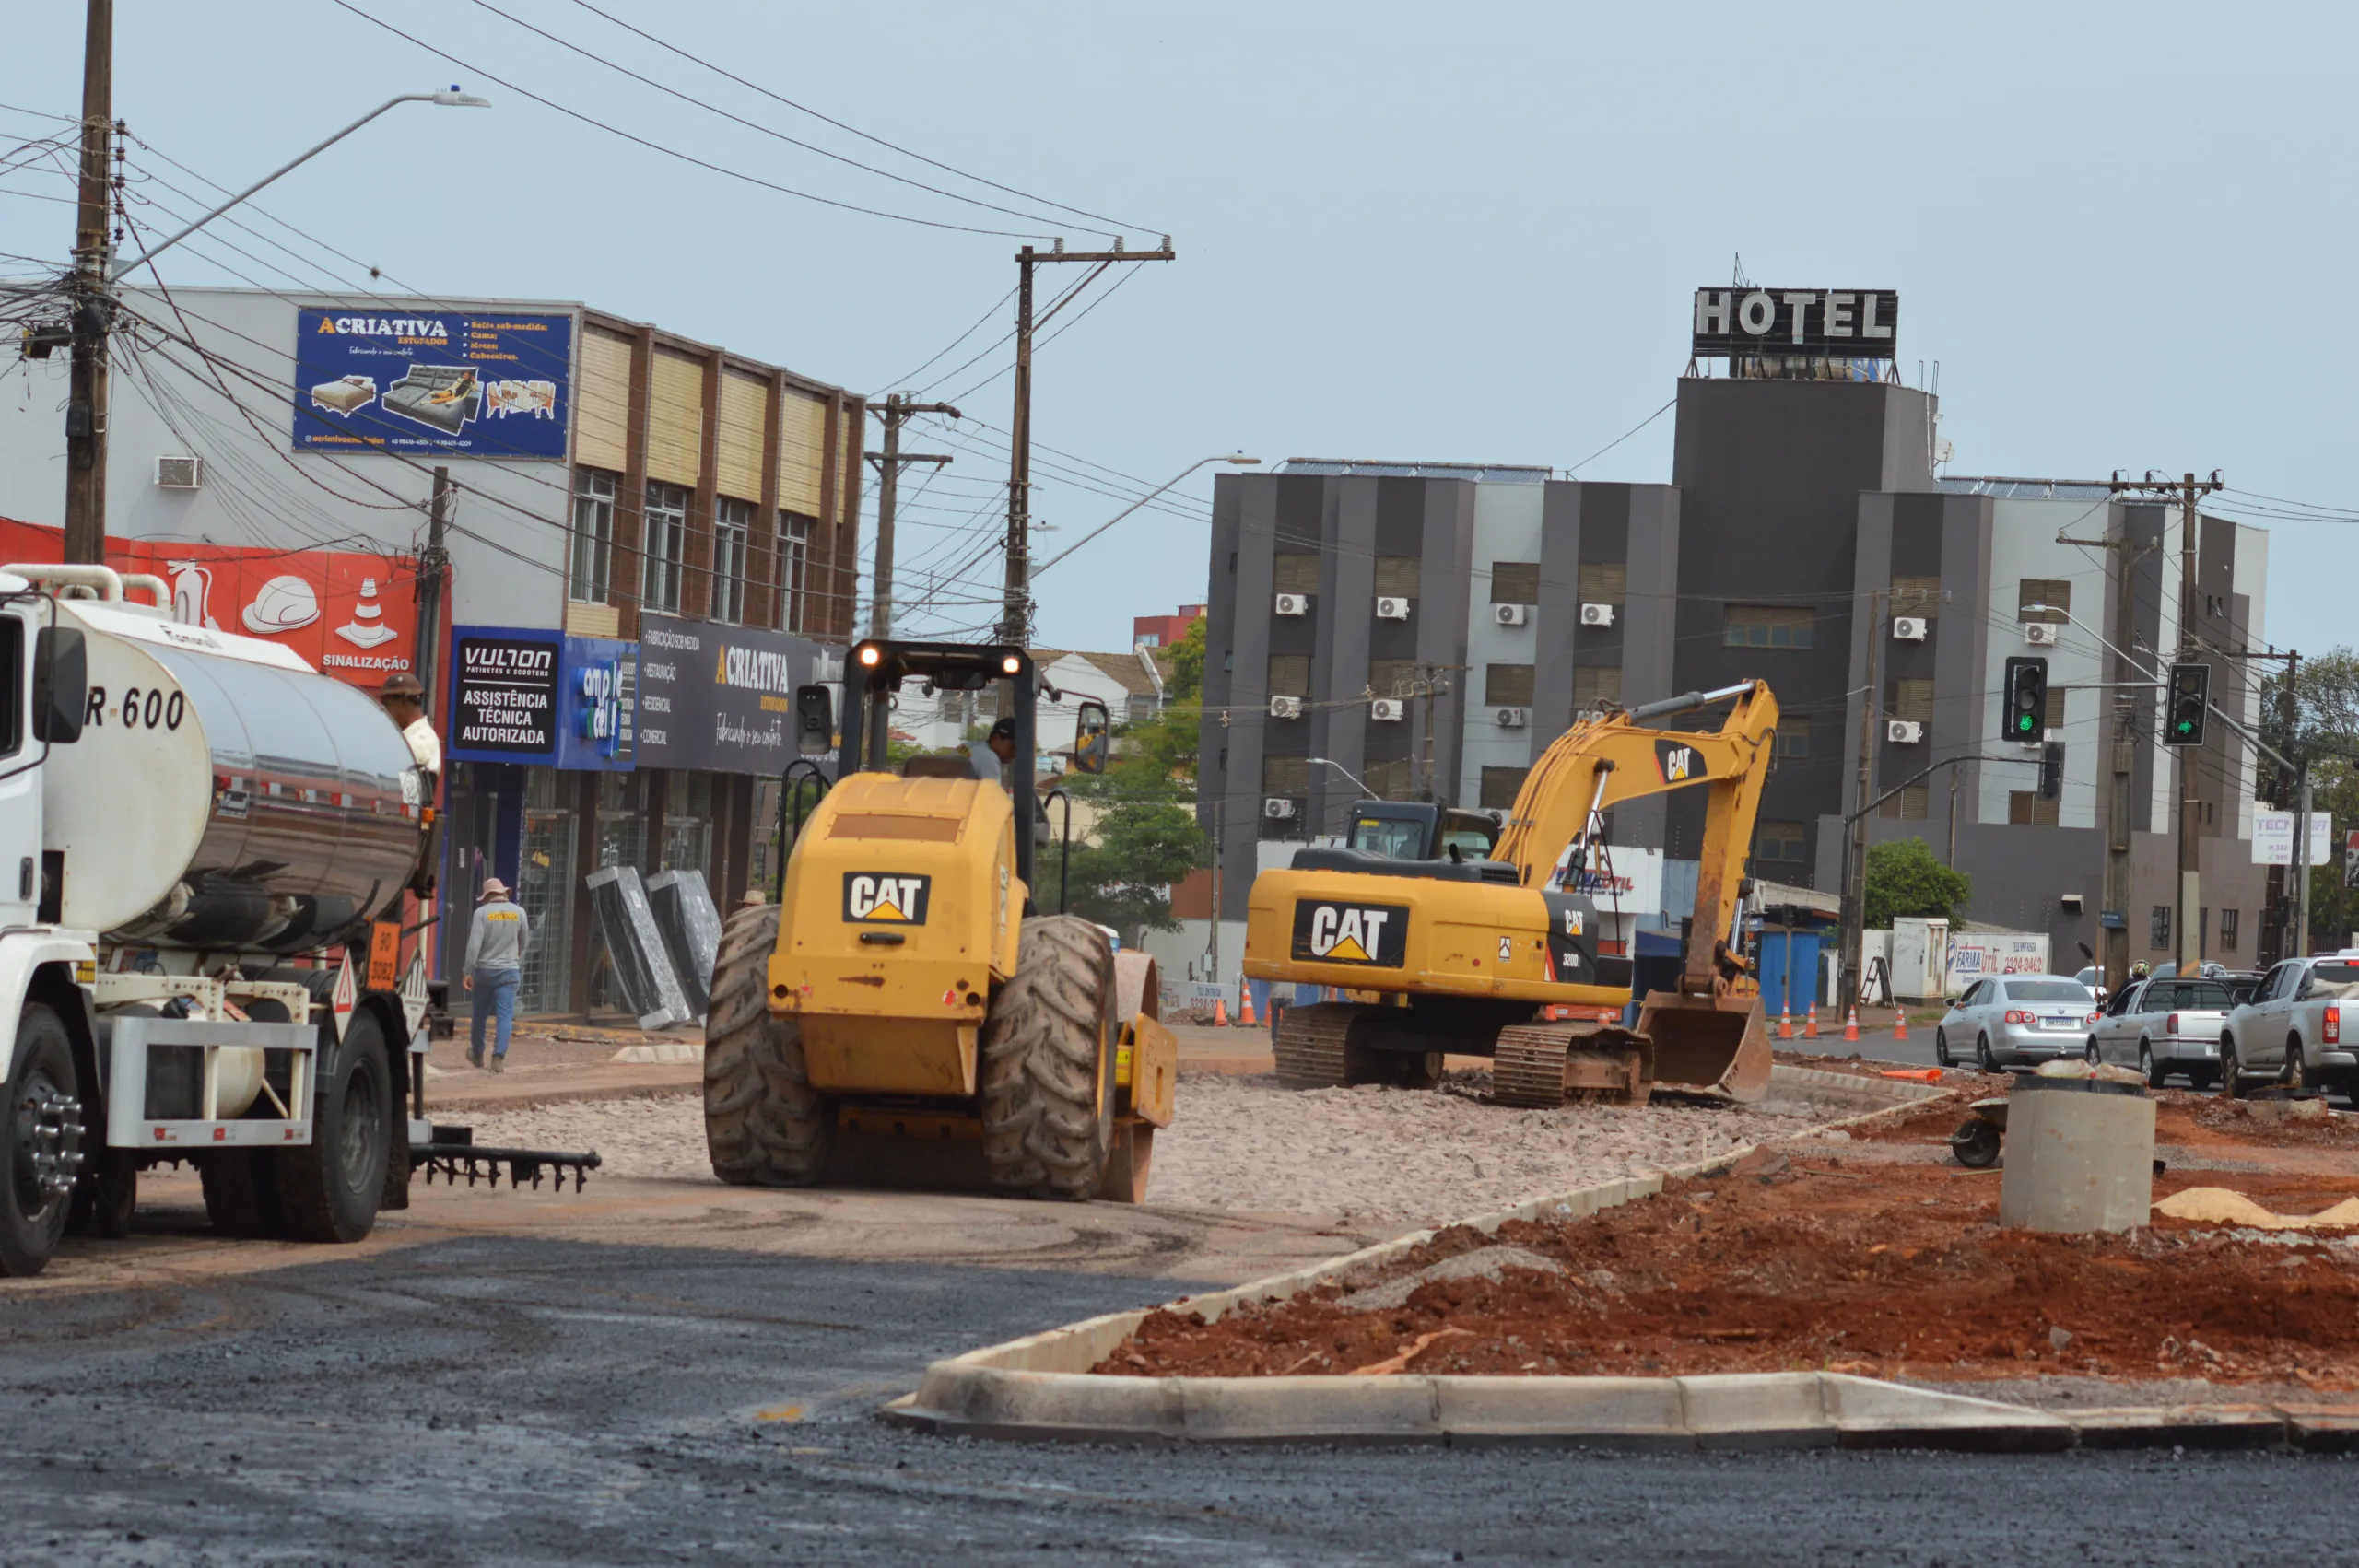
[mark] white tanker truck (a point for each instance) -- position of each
(183, 814)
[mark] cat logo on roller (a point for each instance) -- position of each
(1678, 762)
(1374, 934)
(888, 899)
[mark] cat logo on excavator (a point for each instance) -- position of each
(1679, 763)
(885, 897)
(1351, 934)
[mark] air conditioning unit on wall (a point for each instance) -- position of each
(1909, 628)
(1904, 731)
(1597, 614)
(1514, 717)
(1389, 709)
(1294, 605)
(1278, 808)
(1285, 707)
(179, 472)
(1391, 609)
(2040, 634)
(1511, 615)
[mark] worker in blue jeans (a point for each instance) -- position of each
(496, 944)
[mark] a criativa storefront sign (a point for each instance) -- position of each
(718, 698)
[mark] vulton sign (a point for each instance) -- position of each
(1813, 323)
(503, 695)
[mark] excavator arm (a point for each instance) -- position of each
(1599, 762)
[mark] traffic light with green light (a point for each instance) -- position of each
(2024, 719)
(2190, 697)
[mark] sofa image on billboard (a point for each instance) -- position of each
(444, 396)
(345, 394)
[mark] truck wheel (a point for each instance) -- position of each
(330, 1191)
(764, 1124)
(1047, 1073)
(2231, 1082)
(45, 1143)
(242, 1192)
(105, 1196)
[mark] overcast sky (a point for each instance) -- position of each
(1404, 231)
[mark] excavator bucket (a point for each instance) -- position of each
(1704, 1042)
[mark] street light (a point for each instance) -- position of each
(1239, 458)
(1346, 773)
(452, 98)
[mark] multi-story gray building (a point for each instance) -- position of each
(1430, 628)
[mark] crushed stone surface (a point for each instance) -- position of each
(1246, 1144)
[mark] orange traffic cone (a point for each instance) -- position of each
(1220, 1013)
(1900, 1023)
(1784, 1024)
(1852, 1023)
(1245, 1007)
(1810, 1022)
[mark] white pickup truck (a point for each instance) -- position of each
(2162, 1026)
(2291, 1030)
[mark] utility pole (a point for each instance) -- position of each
(1429, 684)
(1218, 842)
(86, 399)
(431, 566)
(1855, 873)
(1015, 619)
(2120, 809)
(897, 408)
(2189, 491)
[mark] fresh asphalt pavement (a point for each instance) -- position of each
(524, 1402)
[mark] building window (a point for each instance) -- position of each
(2025, 808)
(790, 610)
(1769, 626)
(2228, 933)
(1397, 577)
(1596, 687)
(1912, 804)
(1793, 739)
(1285, 774)
(663, 546)
(1500, 787)
(733, 530)
(2158, 927)
(1393, 677)
(1387, 780)
(2054, 595)
(594, 534)
(1913, 700)
(1289, 674)
(1507, 685)
(2052, 719)
(1605, 583)
(1291, 571)
(1515, 582)
(1782, 841)
(1918, 596)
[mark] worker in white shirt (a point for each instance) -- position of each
(404, 701)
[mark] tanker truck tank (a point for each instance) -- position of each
(222, 796)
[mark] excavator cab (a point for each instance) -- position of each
(1422, 830)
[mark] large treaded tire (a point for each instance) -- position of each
(1047, 1082)
(242, 1192)
(764, 1124)
(330, 1189)
(40, 1086)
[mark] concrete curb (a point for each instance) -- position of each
(1040, 1387)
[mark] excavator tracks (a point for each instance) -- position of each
(1312, 1045)
(1543, 1065)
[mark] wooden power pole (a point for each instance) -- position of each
(1855, 876)
(86, 398)
(896, 412)
(1016, 618)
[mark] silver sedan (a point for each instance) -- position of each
(2016, 1021)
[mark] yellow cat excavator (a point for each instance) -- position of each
(1490, 956)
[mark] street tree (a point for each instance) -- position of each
(1907, 879)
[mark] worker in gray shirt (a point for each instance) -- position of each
(496, 944)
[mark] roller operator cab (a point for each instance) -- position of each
(903, 1013)
(204, 845)
(1454, 933)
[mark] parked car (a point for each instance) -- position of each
(2016, 1021)
(2291, 1029)
(2165, 1027)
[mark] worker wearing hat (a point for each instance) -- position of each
(404, 700)
(496, 944)
(991, 757)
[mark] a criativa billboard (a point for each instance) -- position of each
(451, 383)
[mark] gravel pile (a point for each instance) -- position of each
(1246, 1144)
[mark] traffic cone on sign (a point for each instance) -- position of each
(1245, 1007)
(1785, 1023)
(1810, 1022)
(1852, 1023)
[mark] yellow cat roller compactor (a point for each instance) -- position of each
(1485, 956)
(901, 1014)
